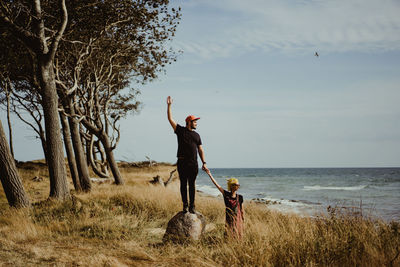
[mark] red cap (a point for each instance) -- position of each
(191, 118)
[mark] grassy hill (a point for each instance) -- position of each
(123, 226)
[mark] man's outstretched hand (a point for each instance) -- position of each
(169, 100)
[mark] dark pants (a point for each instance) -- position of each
(187, 175)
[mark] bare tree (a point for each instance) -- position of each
(95, 73)
(26, 21)
(107, 46)
(9, 176)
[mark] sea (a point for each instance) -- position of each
(372, 192)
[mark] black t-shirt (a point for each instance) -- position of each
(188, 141)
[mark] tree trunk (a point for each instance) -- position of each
(70, 153)
(56, 162)
(111, 160)
(9, 177)
(10, 137)
(81, 162)
(42, 137)
(99, 169)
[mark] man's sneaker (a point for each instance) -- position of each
(192, 210)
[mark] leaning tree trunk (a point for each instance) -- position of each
(10, 135)
(56, 162)
(70, 153)
(110, 158)
(80, 157)
(42, 137)
(9, 177)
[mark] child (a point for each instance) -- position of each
(234, 213)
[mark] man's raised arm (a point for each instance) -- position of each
(170, 119)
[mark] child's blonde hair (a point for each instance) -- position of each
(231, 182)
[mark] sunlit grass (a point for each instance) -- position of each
(123, 226)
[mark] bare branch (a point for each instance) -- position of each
(25, 121)
(30, 110)
(39, 28)
(27, 38)
(94, 163)
(171, 174)
(61, 29)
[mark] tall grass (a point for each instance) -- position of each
(123, 226)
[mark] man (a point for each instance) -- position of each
(189, 144)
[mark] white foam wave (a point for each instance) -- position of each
(345, 188)
(287, 202)
(271, 200)
(291, 206)
(210, 190)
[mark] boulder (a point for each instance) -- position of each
(184, 227)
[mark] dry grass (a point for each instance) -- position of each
(124, 225)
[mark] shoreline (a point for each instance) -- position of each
(303, 211)
(310, 192)
(267, 204)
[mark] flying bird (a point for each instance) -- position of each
(316, 54)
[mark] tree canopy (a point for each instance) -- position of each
(98, 51)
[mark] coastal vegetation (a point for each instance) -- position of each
(70, 70)
(123, 226)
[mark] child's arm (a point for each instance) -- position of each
(215, 182)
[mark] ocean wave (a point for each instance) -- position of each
(344, 188)
(210, 190)
(287, 202)
(299, 207)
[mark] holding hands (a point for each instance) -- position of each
(204, 168)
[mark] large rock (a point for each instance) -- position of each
(185, 226)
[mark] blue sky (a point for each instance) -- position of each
(248, 70)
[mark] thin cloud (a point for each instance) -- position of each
(227, 27)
